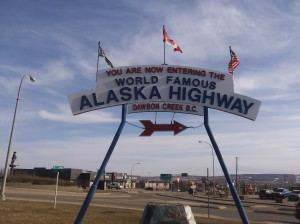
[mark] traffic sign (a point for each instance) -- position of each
(184, 174)
(176, 127)
(58, 167)
(164, 176)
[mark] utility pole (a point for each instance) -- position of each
(236, 176)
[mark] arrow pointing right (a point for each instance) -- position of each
(176, 127)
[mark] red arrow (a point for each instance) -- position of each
(150, 127)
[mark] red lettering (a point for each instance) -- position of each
(217, 76)
(194, 109)
(114, 72)
(154, 69)
(133, 70)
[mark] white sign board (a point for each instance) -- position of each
(169, 88)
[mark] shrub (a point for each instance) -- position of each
(37, 180)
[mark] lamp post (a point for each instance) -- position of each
(131, 174)
(32, 79)
(213, 160)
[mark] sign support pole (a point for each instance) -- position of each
(57, 176)
(225, 171)
(100, 172)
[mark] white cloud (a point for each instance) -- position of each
(54, 71)
(276, 83)
(65, 115)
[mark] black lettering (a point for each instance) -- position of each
(85, 102)
(138, 92)
(206, 96)
(111, 97)
(194, 95)
(247, 107)
(172, 92)
(224, 100)
(126, 95)
(95, 100)
(237, 105)
(154, 93)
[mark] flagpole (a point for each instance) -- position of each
(98, 60)
(164, 46)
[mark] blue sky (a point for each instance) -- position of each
(56, 42)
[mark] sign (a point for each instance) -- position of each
(58, 167)
(176, 127)
(166, 176)
(166, 107)
(167, 88)
(184, 174)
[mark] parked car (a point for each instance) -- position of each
(114, 186)
(149, 189)
(297, 210)
(294, 196)
(192, 191)
(280, 193)
(265, 193)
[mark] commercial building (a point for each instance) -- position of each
(83, 178)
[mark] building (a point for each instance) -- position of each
(83, 178)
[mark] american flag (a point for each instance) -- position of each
(234, 62)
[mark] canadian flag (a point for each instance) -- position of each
(170, 41)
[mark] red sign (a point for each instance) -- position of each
(150, 127)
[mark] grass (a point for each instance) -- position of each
(17, 212)
(20, 212)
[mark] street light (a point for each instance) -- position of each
(212, 153)
(131, 174)
(32, 79)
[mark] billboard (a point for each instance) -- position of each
(169, 88)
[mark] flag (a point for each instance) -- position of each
(102, 54)
(108, 62)
(234, 61)
(170, 41)
(100, 51)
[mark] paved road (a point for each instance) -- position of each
(256, 209)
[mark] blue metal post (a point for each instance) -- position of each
(93, 188)
(225, 171)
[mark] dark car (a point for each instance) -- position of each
(280, 193)
(114, 186)
(265, 193)
(294, 196)
(297, 210)
(149, 189)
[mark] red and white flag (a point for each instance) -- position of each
(234, 62)
(170, 41)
